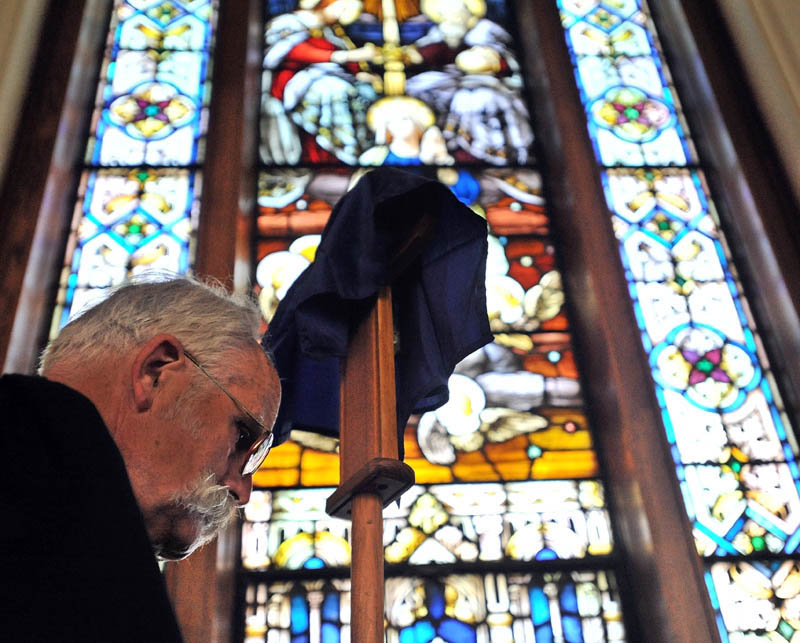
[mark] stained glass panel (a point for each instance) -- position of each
(297, 202)
(436, 524)
(150, 111)
(522, 391)
(506, 471)
(734, 451)
(524, 608)
(432, 83)
(127, 222)
(633, 115)
(153, 95)
(756, 600)
(712, 376)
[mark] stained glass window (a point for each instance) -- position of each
(137, 203)
(733, 448)
(509, 501)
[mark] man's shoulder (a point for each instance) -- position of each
(39, 394)
(49, 419)
(74, 539)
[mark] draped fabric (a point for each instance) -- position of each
(438, 293)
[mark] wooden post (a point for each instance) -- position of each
(371, 474)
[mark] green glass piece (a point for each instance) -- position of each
(704, 366)
(785, 630)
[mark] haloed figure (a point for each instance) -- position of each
(405, 134)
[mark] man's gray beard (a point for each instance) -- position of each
(209, 505)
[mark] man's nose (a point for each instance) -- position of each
(241, 486)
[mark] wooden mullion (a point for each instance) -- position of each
(666, 595)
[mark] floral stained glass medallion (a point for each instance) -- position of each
(137, 210)
(154, 89)
(633, 115)
(130, 222)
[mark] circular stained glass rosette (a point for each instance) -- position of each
(631, 114)
(152, 111)
(708, 368)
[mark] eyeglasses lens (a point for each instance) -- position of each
(257, 456)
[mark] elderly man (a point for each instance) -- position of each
(153, 411)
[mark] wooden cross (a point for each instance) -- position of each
(371, 475)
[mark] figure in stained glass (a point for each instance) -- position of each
(318, 93)
(405, 134)
(429, 84)
(474, 86)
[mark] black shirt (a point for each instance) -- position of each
(75, 560)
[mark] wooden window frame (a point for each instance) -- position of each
(661, 576)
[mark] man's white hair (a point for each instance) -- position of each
(205, 318)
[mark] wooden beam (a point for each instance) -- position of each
(368, 430)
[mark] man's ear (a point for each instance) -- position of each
(158, 358)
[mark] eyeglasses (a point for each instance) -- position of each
(256, 446)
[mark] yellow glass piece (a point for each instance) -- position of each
(149, 126)
(294, 552)
(555, 438)
(406, 543)
(266, 477)
(518, 470)
(319, 469)
(281, 468)
(565, 464)
(428, 473)
(427, 514)
(599, 549)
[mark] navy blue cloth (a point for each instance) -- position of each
(438, 295)
(75, 557)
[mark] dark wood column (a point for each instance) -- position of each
(666, 599)
(202, 587)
